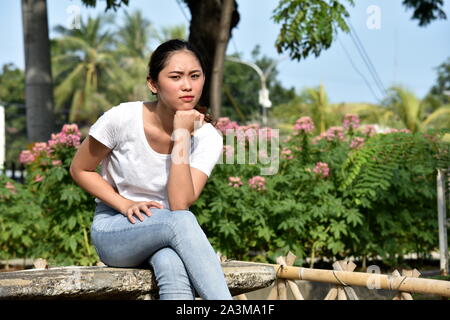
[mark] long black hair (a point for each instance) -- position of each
(159, 59)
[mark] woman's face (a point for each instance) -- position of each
(180, 82)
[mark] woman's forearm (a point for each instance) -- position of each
(94, 184)
(180, 189)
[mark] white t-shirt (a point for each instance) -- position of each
(133, 168)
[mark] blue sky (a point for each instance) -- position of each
(401, 52)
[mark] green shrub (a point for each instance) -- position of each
(67, 209)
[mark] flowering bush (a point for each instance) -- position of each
(321, 169)
(66, 208)
(257, 183)
(347, 192)
(21, 221)
(304, 124)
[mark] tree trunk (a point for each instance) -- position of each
(219, 57)
(38, 77)
(204, 34)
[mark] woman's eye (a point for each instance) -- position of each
(175, 77)
(195, 76)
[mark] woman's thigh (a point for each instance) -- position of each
(120, 243)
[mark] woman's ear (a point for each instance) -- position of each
(152, 86)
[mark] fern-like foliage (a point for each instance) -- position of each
(373, 167)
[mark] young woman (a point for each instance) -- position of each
(156, 158)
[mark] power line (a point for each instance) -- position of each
(357, 70)
(372, 73)
(366, 57)
(182, 11)
(367, 61)
(235, 46)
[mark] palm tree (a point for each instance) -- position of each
(368, 113)
(38, 76)
(84, 63)
(317, 100)
(132, 54)
(410, 111)
(172, 32)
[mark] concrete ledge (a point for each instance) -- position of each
(116, 283)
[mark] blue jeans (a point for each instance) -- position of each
(172, 242)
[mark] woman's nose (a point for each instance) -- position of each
(186, 85)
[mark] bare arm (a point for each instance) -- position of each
(89, 155)
(185, 184)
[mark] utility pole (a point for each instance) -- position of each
(442, 221)
(2, 138)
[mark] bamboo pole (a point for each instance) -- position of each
(282, 290)
(332, 294)
(341, 293)
(289, 261)
(273, 294)
(361, 279)
(408, 273)
(281, 283)
(295, 290)
(398, 296)
(346, 266)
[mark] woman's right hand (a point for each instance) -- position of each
(135, 208)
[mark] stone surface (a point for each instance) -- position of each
(101, 282)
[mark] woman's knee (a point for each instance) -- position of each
(184, 219)
(166, 260)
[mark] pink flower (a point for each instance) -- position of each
(69, 135)
(249, 134)
(11, 187)
(356, 143)
(241, 136)
(286, 153)
(351, 121)
(38, 178)
(224, 124)
(303, 124)
(254, 126)
(265, 133)
(71, 129)
(333, 133)
(235, 182)
(26, 157)
(257, 182)
(71, 140)
(321, 169)
(41, 147)
(56, 163)
(393, 130)
(370, 130)
(228, 150)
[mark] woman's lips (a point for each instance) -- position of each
(187, 98)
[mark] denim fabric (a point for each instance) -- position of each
(172, 242)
